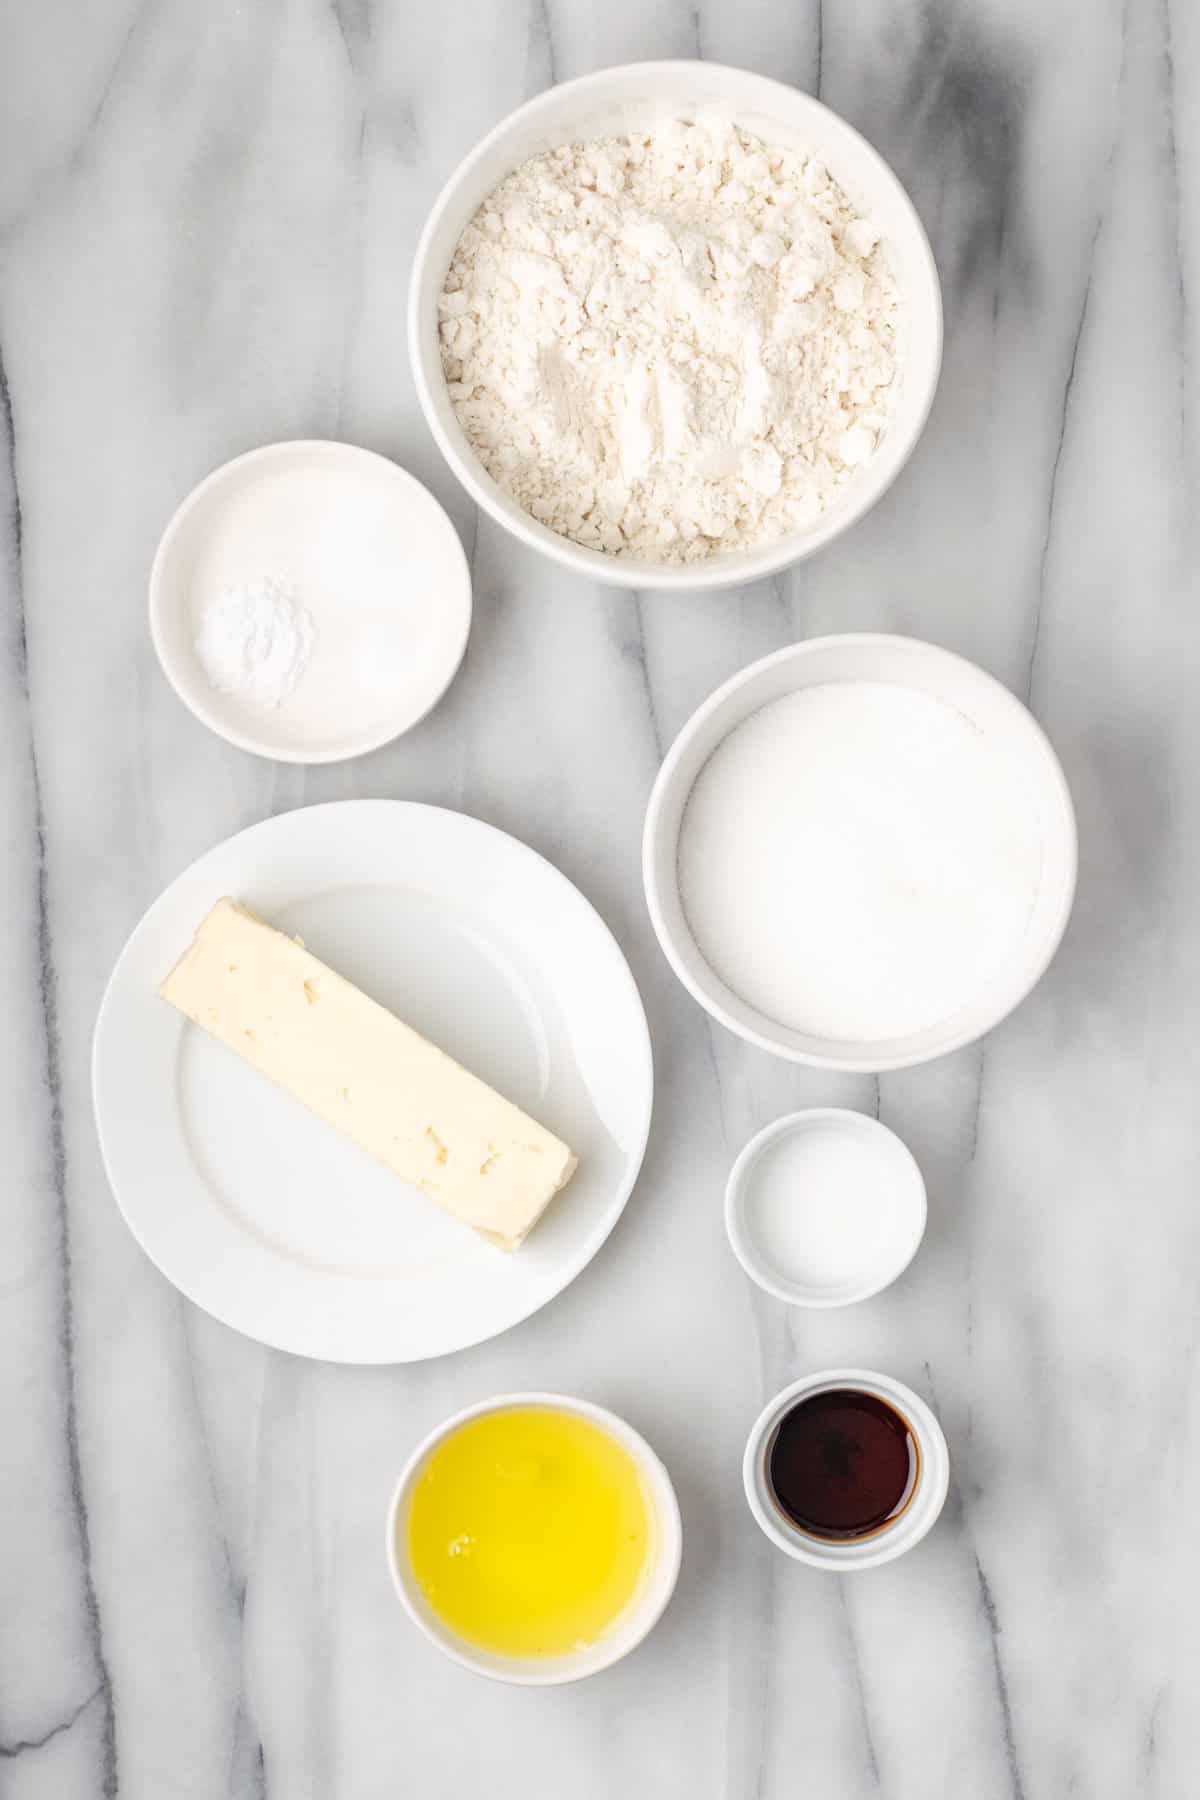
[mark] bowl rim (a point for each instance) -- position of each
(558, 1671)
(758, 561)
(908, 1531)
(741, 1239)
(157, 603)
(870, 1064)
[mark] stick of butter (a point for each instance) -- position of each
(361, 1069)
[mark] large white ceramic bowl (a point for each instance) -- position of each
(906, 662)
(640, 1618)
(632, 98)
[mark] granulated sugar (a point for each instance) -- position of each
(672, 344)
(856, 859)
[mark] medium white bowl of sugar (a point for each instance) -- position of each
(640, 97)
(860, 853)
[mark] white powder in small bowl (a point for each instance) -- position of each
(256, 641)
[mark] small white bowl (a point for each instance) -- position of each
(906, 662)
(919, 1515)
(635, 97)
(366, 550)
(628, 1632)
(825, 1207)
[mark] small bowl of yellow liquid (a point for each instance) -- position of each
(535, 1538)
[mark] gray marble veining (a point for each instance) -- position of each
(206, 220)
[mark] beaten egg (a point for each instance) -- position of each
(530, 1531)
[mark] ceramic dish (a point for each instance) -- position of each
(901, 661)
(628, 1632)
(369, 554)
(918, 1517)
(636, 97)
(825, 1207)
(279, 1226)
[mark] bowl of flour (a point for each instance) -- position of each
(675, 325)
(860, 853)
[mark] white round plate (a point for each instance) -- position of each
(369, 554)
(274, 1223)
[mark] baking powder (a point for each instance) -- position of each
(255, 641)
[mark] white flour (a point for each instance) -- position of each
(671, 344)
(256, 641)
(856, 859)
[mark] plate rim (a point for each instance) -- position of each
(591, 1245)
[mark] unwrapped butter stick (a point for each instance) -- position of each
(363, 1070)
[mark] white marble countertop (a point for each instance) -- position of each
(206, 220)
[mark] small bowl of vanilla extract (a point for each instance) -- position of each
(846, 1469)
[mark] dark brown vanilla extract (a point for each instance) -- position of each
(843, 1464)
